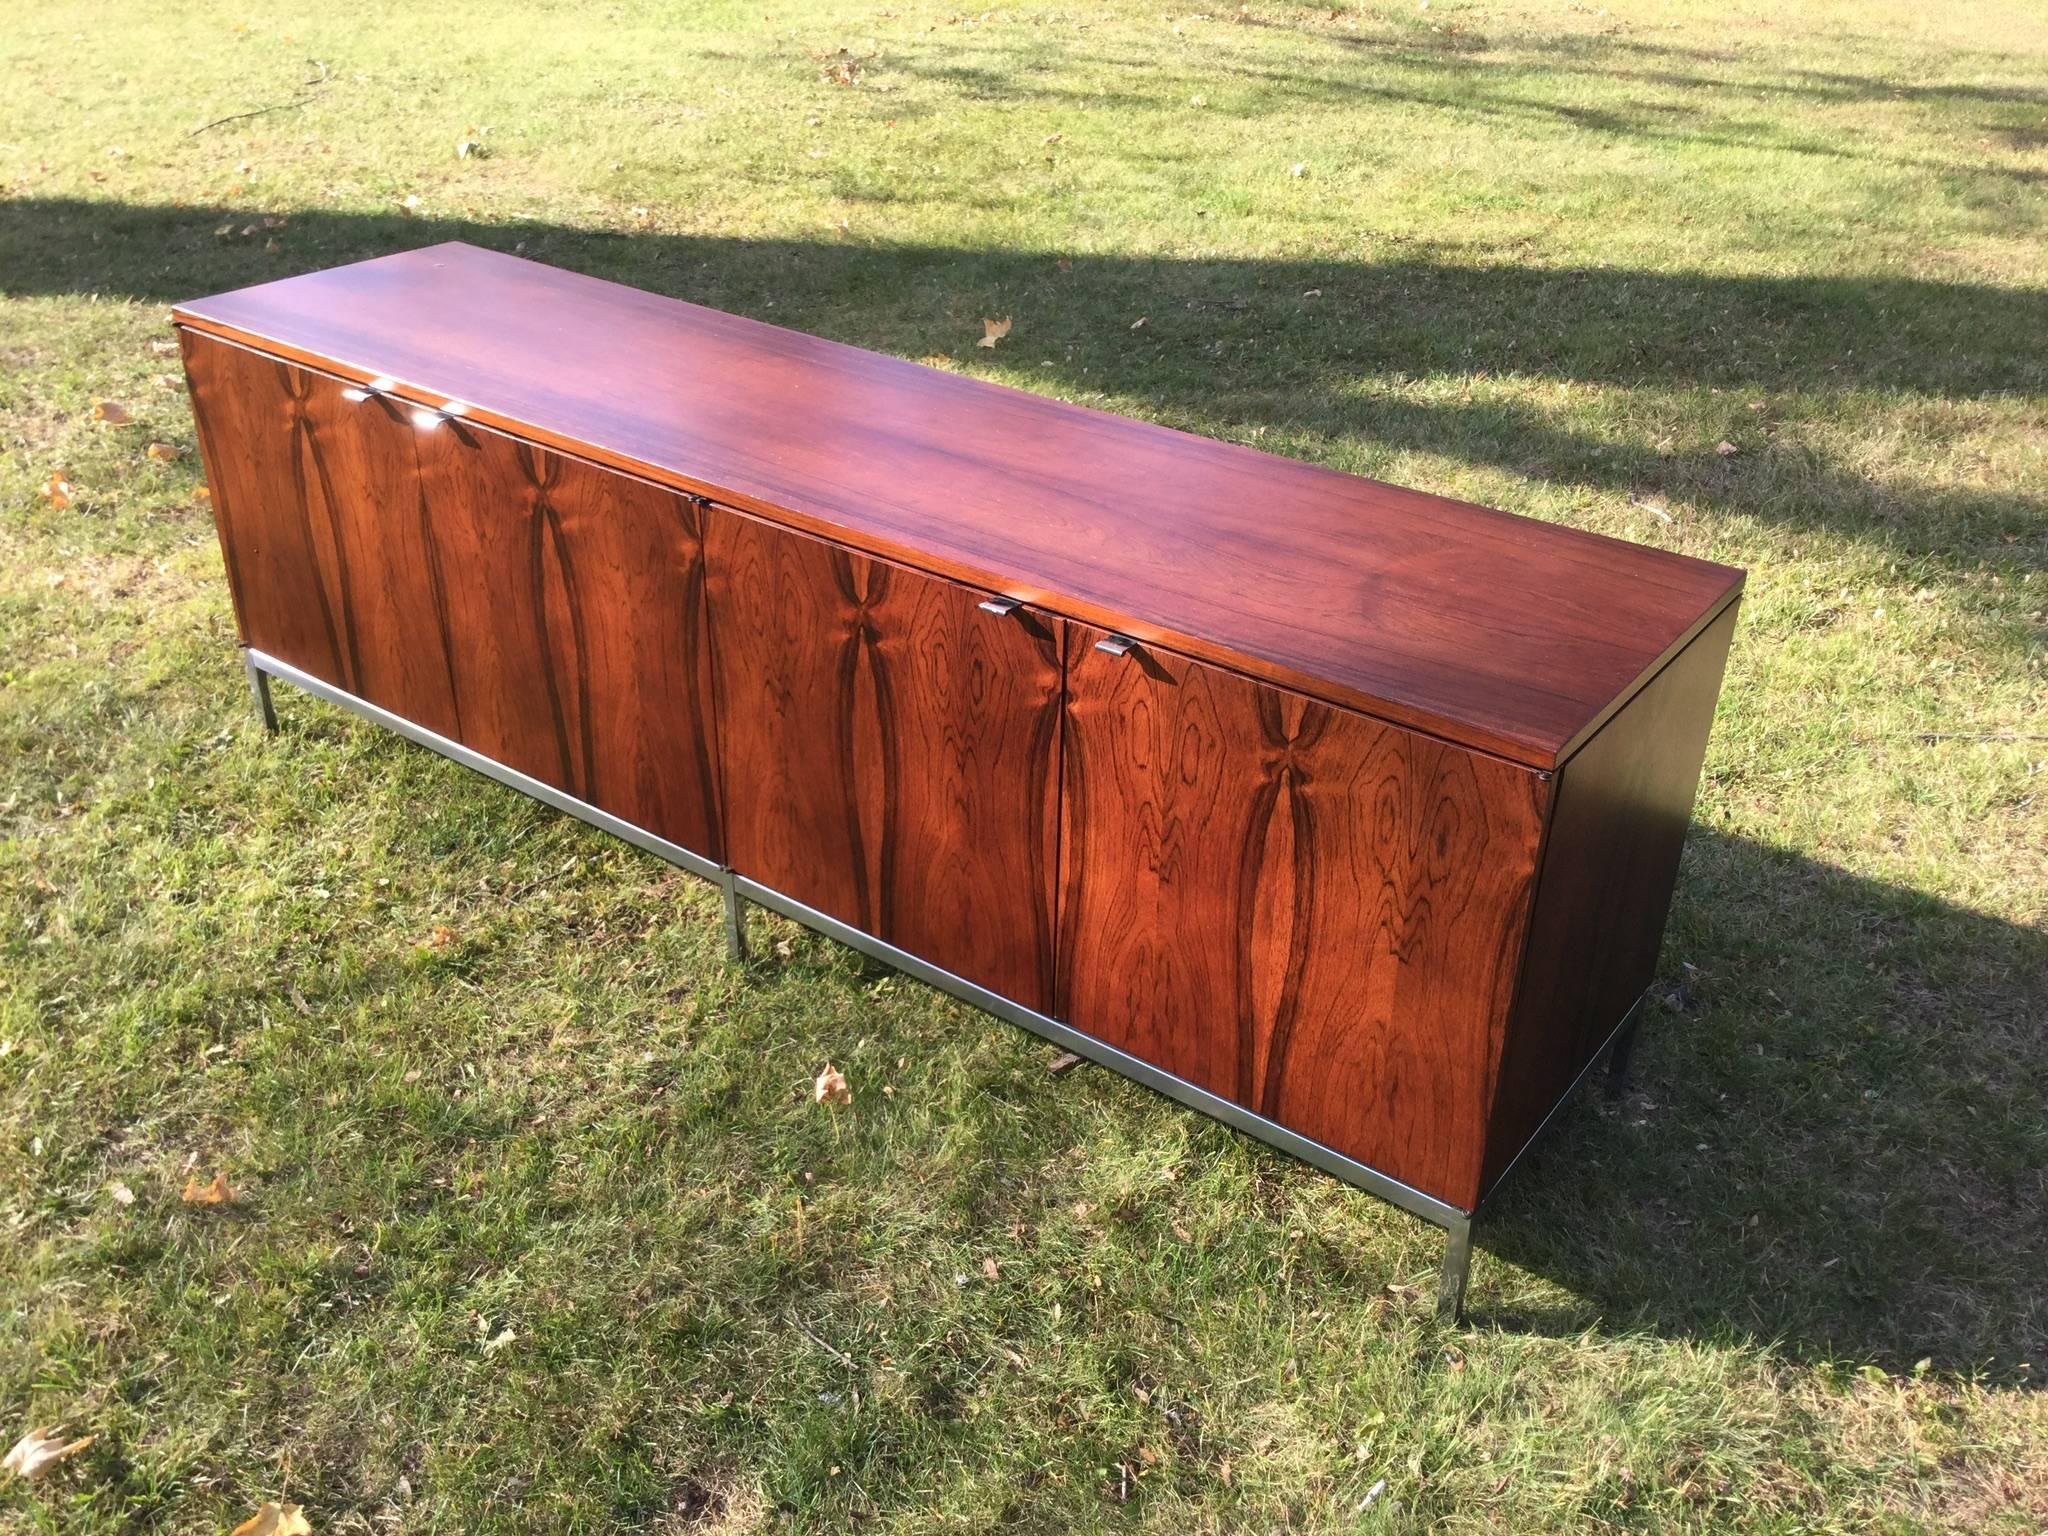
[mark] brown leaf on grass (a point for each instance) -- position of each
(111, 411)
(1066, 1061)
(275, 1520)
(1726, 449)
(990, 1268)
(122, 1194)
(832, 1087)
(58, 490)
(219, 1192)
(164, 451)
(39, 1450)
(164, 348)
(993, 331)
(440, 938)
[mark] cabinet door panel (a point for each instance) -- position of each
(570, 606)
(537, 609)
(1307, 911)
(890, 750)
(317, 502)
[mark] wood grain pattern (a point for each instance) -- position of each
(542, 611)
(1617, 829)
(1307, 911)
(890, 751)
(1401, 943)
(1502, 633)
(571, 611)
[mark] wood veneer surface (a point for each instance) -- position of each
(890, 750)
(1310, 912)
(535, 608)
(1505, 634)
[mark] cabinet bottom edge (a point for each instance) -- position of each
(489, 767)
(1442, 1213)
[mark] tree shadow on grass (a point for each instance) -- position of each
(1326, 347)
(1832, 1136)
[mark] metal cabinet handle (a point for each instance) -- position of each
(426, 418)
(999, 606)
(1116, 645)
(356, 394)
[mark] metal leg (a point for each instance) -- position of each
(1450, 1290)
(259, 689)
(1618, 1057)
(735, 919)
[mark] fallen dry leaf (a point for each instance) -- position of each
(122, 1194)
(990, 1269)
(163, 348)
(110, 411)
(1066, 1061)
(993, 331)
(275, 1520)
(219, 1192)
(832, 1087)
(40, 1449)
(58, 490)
(164, 451)
(441, 937)
(1726, 449)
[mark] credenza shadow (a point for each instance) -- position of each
(1831, 1138)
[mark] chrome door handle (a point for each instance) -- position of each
(356, 394)
(426, 418)
(1116, 645)
(1001, 607)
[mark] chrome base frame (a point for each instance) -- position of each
(737, 890)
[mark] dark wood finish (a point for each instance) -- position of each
(535, 608)
(1610, 861)
(309, 494)
(1312, 913)
(571, 605)
(1374, 834)
(890, 751)
(1512, 636)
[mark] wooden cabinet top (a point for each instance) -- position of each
(1499, 632)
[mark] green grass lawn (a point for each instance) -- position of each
(535, 1226)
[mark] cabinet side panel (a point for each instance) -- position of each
(1618, 820)
(1307, 911)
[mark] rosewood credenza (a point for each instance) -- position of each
(1347, 814)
